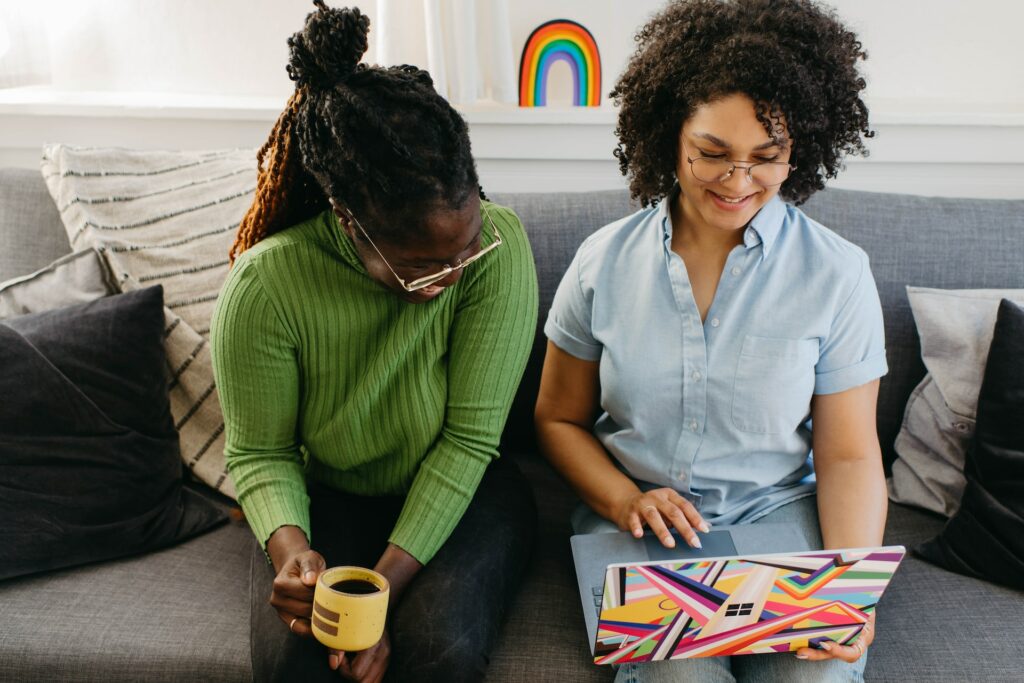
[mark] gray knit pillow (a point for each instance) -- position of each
(955, 327)
(168, 218)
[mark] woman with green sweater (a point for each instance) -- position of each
(367, 345)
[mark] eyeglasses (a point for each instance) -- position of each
(427, 280)
(763, 173)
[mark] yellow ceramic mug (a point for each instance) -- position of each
(349, 608)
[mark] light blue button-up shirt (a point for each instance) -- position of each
(720, 410)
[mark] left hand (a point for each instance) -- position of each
(367, 666)
(847, 653)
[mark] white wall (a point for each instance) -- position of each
(946, 87)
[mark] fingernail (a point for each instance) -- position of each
(800, 656)
(827, 646)
(332, 661)
(638, 533)
(705, 527)
(670, 542)
(696, 543)
(310, 576)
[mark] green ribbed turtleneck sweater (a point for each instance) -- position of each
(323, 373)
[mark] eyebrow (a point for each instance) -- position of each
(722, 143)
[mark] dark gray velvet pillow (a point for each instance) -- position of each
(89, 461)
(985, 538)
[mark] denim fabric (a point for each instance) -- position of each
(784, 668)
(449, 617)
(718, 409)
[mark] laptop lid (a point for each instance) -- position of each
(592, 553)
(750, 604)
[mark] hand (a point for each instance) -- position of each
(292, 594)
(367, 666)
(657, 507)
(847, 653)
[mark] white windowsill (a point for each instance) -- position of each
(45, 101)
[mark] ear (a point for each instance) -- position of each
(344, 218)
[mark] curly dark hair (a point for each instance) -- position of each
(380, 140)
(793, 58)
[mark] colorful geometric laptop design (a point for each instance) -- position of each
(739, 605)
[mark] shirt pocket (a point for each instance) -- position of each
(774, 384)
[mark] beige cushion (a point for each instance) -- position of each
(955, 327)
(169, 218)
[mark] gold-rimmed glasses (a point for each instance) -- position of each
(718, 170)
(427, 280)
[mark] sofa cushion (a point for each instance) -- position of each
(933, 625)
(89, 463)
(30, 228)
(985, 538)
(179, 614)
(955, 328)
(169, 218)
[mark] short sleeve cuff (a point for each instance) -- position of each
(851, 376)
(570, 344)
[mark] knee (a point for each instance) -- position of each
(431, 655)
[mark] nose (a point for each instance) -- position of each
(740, 177)
(451, 279)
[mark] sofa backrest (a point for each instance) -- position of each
(31, 234)
(912, 240)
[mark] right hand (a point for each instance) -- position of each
(292, 593)
(657, 509)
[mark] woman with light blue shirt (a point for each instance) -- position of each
(693, 344)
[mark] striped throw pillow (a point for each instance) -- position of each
(169, 218)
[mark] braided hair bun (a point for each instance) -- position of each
(328, 48)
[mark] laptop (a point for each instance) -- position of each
(644, 602)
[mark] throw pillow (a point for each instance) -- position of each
(168, 218)
(955, 328)
(76, 278)
(89, 461)
(985, 538)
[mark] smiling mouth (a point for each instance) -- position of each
(732, 200)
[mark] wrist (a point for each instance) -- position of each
(399, 568)
(285, 543)
(619, 504)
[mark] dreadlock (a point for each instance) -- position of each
(380, 141)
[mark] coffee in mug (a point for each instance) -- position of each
(350, 605)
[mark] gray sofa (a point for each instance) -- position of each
(183, 613)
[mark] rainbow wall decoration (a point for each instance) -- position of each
(560, 40)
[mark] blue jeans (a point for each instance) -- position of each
(450, 615)
(784, 668)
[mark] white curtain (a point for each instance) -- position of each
(466, 45)
(24, 50)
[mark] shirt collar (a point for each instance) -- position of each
(766, 225)
(763, 229)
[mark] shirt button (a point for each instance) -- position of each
(696, 375)
(693, 425)
(682, 476)
(736, 270)
(715, 322)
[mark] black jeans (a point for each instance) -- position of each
(450, 615)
